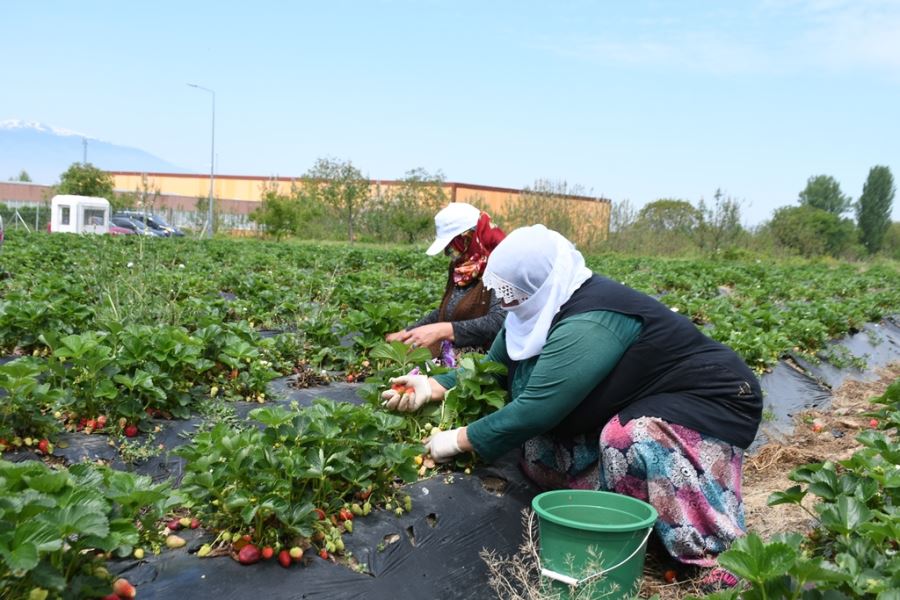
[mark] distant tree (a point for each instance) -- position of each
(824, 192)
(144, 197)
(891, 245)
(22, 177)
(812, 231)
(338, 185)
(84, 179)
(668, 215)
(278, 214)
(404, 212)
(721, 223)
(551, 203)
(873, 211)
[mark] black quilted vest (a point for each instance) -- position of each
(672, 371)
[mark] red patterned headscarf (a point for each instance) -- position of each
(474, 247)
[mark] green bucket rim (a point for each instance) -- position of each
(644, 523)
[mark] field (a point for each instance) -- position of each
(155, 360)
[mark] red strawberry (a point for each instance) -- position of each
(195, 523)
(123, 589)
(323, 553)
(398, 387)
(131, 431)
(249, 555)
(670, 576)
(91, 423)
(111, 597)
(174, 525)
(873, 423)
(101, 421)
(345, 515)
(320, 514)
(284, 559)
(268, 552)
(44, 446)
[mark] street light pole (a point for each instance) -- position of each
(212, 156)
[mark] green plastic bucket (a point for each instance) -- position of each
(593, 540)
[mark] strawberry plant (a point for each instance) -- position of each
(477, 392)
(56, 527)
(272, 481)
(27, 404)
(83, 365)
(853, 551)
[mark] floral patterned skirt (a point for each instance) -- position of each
(693, 480)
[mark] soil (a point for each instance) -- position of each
(828, 434)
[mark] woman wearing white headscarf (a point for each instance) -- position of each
(610, 389)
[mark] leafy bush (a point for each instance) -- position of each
(57, 527)
(26, 410)
(853, 550)
(272, 480)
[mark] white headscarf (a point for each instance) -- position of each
(542, 270)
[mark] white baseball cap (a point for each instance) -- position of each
(451, 221)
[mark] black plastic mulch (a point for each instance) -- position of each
(433, 551)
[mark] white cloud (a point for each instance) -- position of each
(850, 35)
(779, 36)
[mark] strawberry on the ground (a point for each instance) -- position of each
(284, 559)
(267, 552)
(296, 553)
(44, 446)
(131, 431)
(323, 553)
(195, 523)
(174, 524)
(101, 421)
(249, 555)
(123, 589)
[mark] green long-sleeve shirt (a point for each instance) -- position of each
(579, 353)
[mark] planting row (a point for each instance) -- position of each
(341, 300)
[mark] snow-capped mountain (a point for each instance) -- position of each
(45, 152)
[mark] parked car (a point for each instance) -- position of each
(155, 222)
(134, 226)
(116, 230)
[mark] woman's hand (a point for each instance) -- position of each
(447, 444)
(408, 393)
(397, 336)
(426, 335)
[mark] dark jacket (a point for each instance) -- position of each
(672, 371)
(473, 310)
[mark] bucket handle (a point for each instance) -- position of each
(571, 581)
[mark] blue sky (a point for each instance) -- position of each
(630, 100)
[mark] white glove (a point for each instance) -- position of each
(444, 446)
(416, 392)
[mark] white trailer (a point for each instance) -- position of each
(79, 214)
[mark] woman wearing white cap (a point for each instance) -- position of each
(469, 315)
(610, 389)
